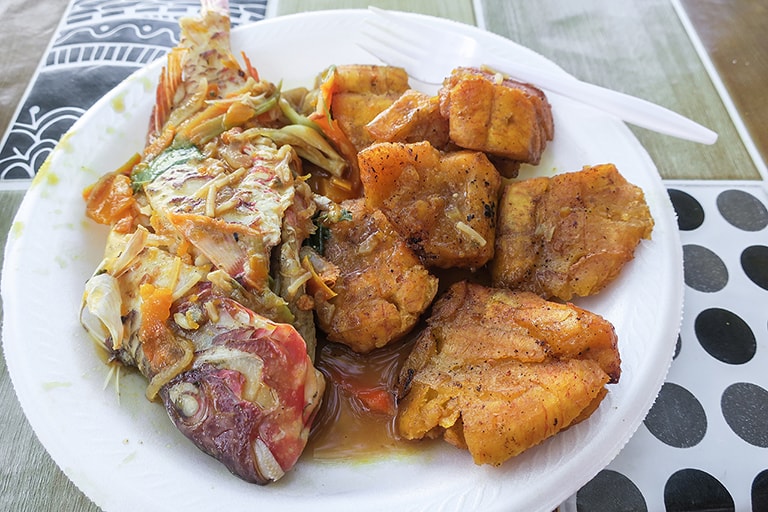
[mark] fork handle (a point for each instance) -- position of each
(628, 108)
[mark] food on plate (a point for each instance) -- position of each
(570, 234)
(413, 117)
(251, 392)
(498, 371)
(444, 204)
(382, 288)
(361, 92)
(344, 99)
(495, 114)
(255, 215)
(510, 121)
(201, 287)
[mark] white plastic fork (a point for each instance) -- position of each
(429, 53)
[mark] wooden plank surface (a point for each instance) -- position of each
(732, 33)
(458, 10)
(642, 49)
(21, 55)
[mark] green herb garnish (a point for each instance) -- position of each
(172, 157)
(322, 233)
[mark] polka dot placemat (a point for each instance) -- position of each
(704, 444)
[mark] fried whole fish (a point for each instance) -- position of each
(201, 287)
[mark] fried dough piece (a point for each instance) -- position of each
(382, 287)
(363, 91)
(371, 79)
(497, 371)
(413, 117)
(444, 204)
(570, 234)
(488, 112)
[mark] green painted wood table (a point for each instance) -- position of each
(707, 59)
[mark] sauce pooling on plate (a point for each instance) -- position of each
(356, 421)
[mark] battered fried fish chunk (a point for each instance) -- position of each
(382, 288)
(413, 117)
(497, 371)
(363, 91)
(570, 234)
(491, 113)
(444, 204)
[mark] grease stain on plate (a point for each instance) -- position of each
(50, 386)
(64, 143)
(118, 103)
(129, 458)
(17, 228)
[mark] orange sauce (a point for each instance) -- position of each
(356, 421)
(345, 429)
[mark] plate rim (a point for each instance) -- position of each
(12, 248)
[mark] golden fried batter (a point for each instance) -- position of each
(413, 117)
(362, 92)
(570, 234)
(382, 287)
(444, 204)
(500, 116)
(498, 371)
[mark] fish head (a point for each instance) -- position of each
(249, 400)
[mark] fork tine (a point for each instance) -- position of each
(403, 33)
(407, 27)
(402, 43)
(424, 35)
(450, 48)
(426, 52)
(387, 55)
(393, 48)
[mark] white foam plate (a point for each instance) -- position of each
(127, 455)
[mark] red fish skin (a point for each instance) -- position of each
(226, 425)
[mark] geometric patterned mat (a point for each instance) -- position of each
(704, 444)
(97, 45)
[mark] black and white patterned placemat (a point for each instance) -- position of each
(704, 445)
(98, 44)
